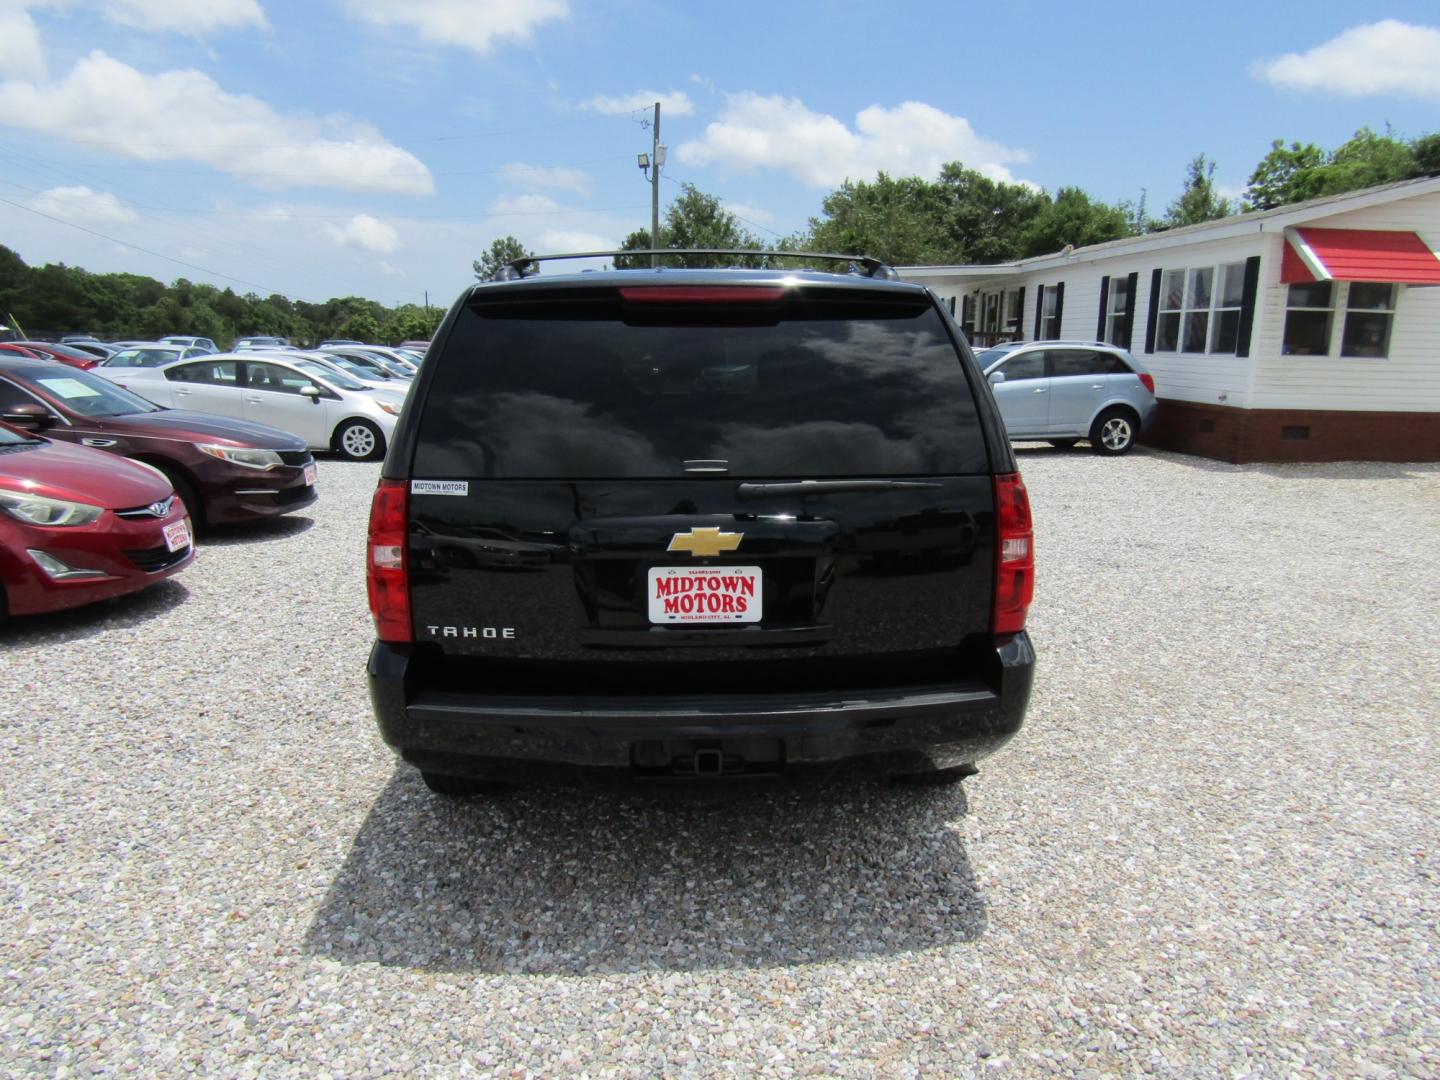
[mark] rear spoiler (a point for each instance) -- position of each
(861, 265)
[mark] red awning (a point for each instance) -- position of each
(1358, 255)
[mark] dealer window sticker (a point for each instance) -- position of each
(68, 388)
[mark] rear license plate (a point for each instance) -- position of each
(177, 534)
(705, 594)
(309, 475)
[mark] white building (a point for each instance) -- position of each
(1306, 333)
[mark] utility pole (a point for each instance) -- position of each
(655, 188)
(650, 163)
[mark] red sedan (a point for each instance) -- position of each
(76, 358)
(79, 525)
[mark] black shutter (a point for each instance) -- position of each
(1039, 307)
(1060, 310)
(1020, 314)
(1247, 305)
(1104, 299)
(1154, 316)
(1133, 284)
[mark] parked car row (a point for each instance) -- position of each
(336, 400)
(101, 490)
(84, 351)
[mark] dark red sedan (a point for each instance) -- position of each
(65, 354)
(79, 525)
(224, 468)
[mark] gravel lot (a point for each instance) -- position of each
(1212, 850)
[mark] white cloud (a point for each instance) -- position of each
(365, 232)
(912, 139)
(83, 206)
(559, 241)
(1388, 58)
(186, 116)
(553, 176)
(466, 23)
(674, 103)
(757, 214)
(525, 205)
(21, 56)
(193, 17)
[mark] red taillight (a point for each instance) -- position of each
(1148, 380)
(385, 563)
(1014, 555)
(701, 294)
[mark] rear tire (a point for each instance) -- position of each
(1113, 432)
(359, 440)
(460, 787)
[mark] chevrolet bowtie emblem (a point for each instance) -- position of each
(705, 541)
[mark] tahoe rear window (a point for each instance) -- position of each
(600, 388)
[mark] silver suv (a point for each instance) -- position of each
(1065, 391)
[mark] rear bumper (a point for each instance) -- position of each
(891, 730)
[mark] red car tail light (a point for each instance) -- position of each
(702, 294)
(1148, 380)
(385, 576)
(1014, 555)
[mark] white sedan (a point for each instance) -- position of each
(326, 408)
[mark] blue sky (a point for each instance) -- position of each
(374, 147)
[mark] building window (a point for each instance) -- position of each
(1308, 315)
(1115, 310)
(1050, 315)
(1225, 332)
(1195, 317)
(967, 314)
(1369, 311)
(990, 321)
(1012, 312)
(1172, 300)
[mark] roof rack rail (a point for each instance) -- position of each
(862, 265)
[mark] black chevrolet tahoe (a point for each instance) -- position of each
(700, 524)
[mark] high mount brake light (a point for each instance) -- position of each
(385, 576)
(701, 294)
(1014, 555)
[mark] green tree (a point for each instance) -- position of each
(895, 220)
(1282, 174)
(693, 220)
(502, 252)
(1198, 200)
(411, 322)
(1427, 155)
(984, 219)
(1072, 218)
(361, 326)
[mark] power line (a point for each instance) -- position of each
(747, 221)
(242, 174)
(129, 145)
(137, 247)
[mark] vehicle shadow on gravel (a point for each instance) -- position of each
(254, 532)
(567, 881)
(77, 624)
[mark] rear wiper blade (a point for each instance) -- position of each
(826, 487)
